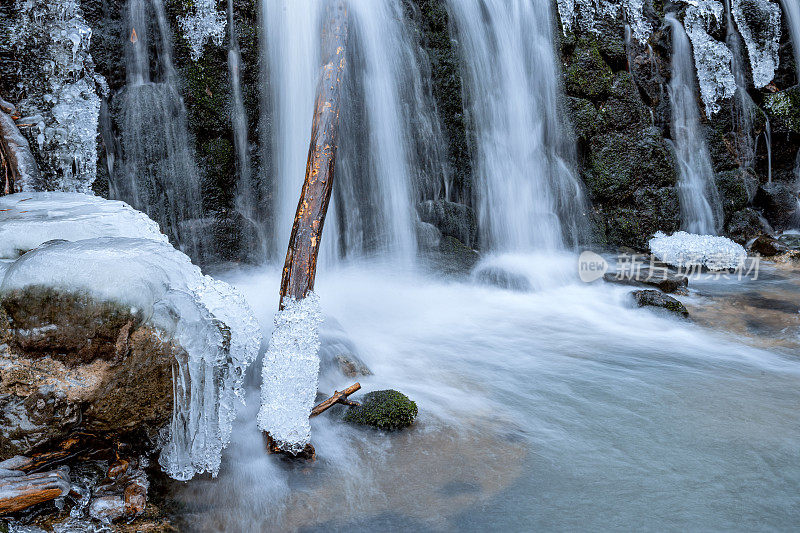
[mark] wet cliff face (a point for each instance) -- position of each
(615, 89)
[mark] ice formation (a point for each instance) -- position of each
(759, 23)
(584, 15)
(290, 374)
(209, 319)
(61, 98)
(203, 24)
(686, 250)
(713, 59)
(30, 219)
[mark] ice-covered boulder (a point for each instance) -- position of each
(686, 250)
(119, 305)
(30, 219)
(759, 22)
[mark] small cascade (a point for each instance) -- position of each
(390, 143)
(791, 10)
(529, 196)
(699, 198)
(246, 189)
(157, 172)
(743, 105)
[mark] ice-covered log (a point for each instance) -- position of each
(291, 365)
(19, 169)
(18, 492)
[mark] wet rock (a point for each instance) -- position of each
(653, 209)
(768, 246)
(621, 163)
(583, 117)
(107, 508)
(387, 410)
(454, 257)
(502, 278)
(736, 188)
(72, 360)
(428, 236)
(451, 219)
(624, 109)
(780, 204)
(661, 278)
(588, 75)
(783, 109)
(747, 224)
(657, 299)
(338, 352)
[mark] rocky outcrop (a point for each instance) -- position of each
(659, 300)
(69, 361)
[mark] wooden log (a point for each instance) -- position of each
(301, 258)
(17, 164)
(338, 397)
(20, 492)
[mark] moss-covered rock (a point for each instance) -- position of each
(587, 74)
(783, 109)
(745, 225)
(621, 163)
(657, 299)
(625, 108)
(583, 116)
(736, 188)
(387, 409)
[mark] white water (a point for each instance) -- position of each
(563, 409)
(373, 207)
(791, 10)
(529, 197)
(157, 173)
(699, 198)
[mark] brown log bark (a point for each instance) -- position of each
(338, 397)
(301, 258)
(16, 159)
(20, 492)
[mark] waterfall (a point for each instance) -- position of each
(157, 173)
(743, 105)
(699, 198)
(791, 9)
(378, 169)
(528, 195)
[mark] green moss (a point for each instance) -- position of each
(583, 116)
(784, 107)
(386, 409)
(624, 109)
(588, 75)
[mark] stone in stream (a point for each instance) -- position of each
(661, 278)
(387, 410)
(768, 246)
(653, 298)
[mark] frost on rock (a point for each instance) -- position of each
(584, 15)
(713, 59)
(58, 90)
(686, 250)
(30, 219)
(290, 374)
(204, 24)
(209, 320)
(759, 22)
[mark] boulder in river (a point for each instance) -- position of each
(386, 409)
(657, 299)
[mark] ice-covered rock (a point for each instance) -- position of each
(24, 170)
(61, 87)
(759, 23)
(584, 15)
(686, 250)
(713, 59)
(210, 321)
(290, 374)
(203, 24)
(30, 219)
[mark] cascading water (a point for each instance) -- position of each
(743, 105)
(157, 173)
(699, 198)
(375, 191)
(529, 197)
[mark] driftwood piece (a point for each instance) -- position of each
(18, 492)
(301, 257)
(338, 397)
(17, 165)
